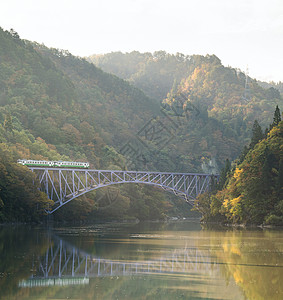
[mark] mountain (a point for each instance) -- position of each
(154, 73)
(227, 100)
(77, 108)
(57, 106)
(227, 94)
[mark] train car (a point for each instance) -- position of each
(71, 164)
(53, 164)
(35, 163)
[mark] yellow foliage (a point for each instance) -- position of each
(194, 76)
(235, 201)
(238, 173)
(225, 203)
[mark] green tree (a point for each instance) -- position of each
(223, 174)
(276, 117)
(243, 154)
(257, 134)
(280, 180)
(8, 123)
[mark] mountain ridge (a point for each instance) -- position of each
(57, 106)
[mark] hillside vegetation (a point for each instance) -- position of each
(56, 106)
(188, 117)
(46, 113)
(252, 191)
(218, 104)
(225, 93)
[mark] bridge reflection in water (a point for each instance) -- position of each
(64, 264)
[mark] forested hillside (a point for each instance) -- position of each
(56, 106)
(79, 114)
(228, 102)
(154, 73)
(251, 192)
(226, 93)
(48, 114)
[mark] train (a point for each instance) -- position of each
(53, 164)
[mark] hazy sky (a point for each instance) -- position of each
(240, 32)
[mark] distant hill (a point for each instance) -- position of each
(224, 92)
(144, 121)
(154, 73)
(268, 85)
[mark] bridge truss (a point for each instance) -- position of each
(64, 185)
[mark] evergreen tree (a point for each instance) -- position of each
(223, 174)
(276, 117)
(257, 134)
(266, 132)
(243, 154)
(266, 170)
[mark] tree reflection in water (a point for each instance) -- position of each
(140, 263)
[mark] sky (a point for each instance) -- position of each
(244, 34)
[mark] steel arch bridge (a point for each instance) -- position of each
(63, 185)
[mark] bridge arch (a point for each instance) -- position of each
(64, 185)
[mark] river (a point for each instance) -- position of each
(180, 260)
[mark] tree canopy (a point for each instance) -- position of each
(172, 113)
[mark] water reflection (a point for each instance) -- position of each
(65, 264)
(152, 261)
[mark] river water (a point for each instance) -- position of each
(180, 260)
